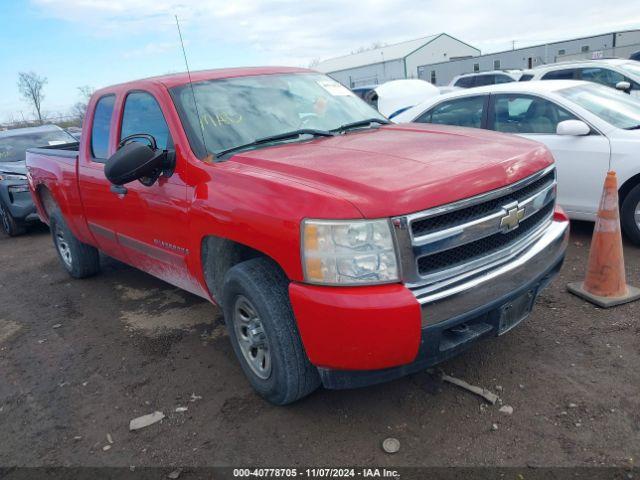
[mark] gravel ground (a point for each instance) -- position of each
(80, 358)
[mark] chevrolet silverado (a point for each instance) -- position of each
(343, 250)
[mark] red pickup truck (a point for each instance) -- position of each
(342, 249)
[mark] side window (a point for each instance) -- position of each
(101, 127)
(601, 75)
(482, 80)
(465, 82)
(463, 112)
(527, 114)
(504, 79)
(526, 77)
(568, 74)
(142, 114)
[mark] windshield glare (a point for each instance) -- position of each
(14, 148)
(614, 107)
(238, 111)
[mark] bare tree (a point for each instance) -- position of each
(30, 85)
(79, 109)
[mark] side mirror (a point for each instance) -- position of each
(137, 161)
(574, 128)
(623, 86)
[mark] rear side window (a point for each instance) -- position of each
(463, 112)
(568, 74)
(526, 77)
(101, 127)
(142, 114)
(482, 80)
(465, 82)
(504, 79)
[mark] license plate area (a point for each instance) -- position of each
(512, 313)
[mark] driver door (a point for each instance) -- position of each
(152, 227)
(581, 161)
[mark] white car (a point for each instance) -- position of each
(589, 128)
(480, 79)
(617, 73)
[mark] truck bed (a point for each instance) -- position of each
(67, 150)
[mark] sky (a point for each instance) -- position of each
(101, 42)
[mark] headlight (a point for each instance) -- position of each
(13, 176)
(348, 252)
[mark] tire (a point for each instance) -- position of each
(630, 215)
(79, 259)
(9, 224)
(284, 374)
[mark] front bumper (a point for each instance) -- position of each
(365, 335)
(15, 195)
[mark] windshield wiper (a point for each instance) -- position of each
(278, 137)
(635, 127)
(361, 123)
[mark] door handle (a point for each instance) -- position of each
(118, 189)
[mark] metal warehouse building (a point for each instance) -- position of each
(392, 62)
(615, 44)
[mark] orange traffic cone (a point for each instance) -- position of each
(606, 284)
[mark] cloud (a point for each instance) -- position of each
(294, 32)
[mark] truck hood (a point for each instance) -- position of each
(13, 167)
(399, 169)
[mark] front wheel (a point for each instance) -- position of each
(264, 333)
(79, 259)
(9, 224)
(630, 215)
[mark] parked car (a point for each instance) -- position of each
(343, 250)
(16, 207)
(479, 79)
(75, 132)
(616, 73)
(368, 94)
(589, 128)
(396, 96)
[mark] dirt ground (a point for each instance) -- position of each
(80, 358)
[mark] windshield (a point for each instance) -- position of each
(614, 107)
(14, 148)
(238, 111)
(632, 68)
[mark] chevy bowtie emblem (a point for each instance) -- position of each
(511, 220)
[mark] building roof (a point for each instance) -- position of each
(376, 55)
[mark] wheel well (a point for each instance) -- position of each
(46, 200)
(627, 187)
(218, 256)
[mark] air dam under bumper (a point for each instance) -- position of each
(17, 200)
(365, 335)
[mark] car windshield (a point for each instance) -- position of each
(614, 107)
(632, 68)
(238, 111)
(13, 148)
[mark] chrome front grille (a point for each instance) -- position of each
(472, 235)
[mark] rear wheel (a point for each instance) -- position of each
(264, 333)
(9, 224)
(630, 215)
(79, 259)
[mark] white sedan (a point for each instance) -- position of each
(589, 128)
